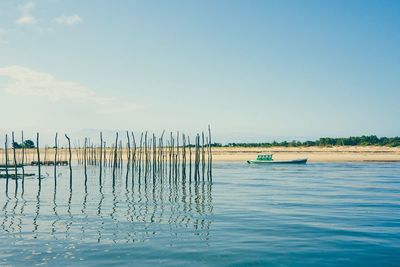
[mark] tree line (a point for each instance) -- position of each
(371, 140)
(25, 144)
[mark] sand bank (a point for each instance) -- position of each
(242, 154)
(314, 154)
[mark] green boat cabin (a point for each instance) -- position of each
(266, 157)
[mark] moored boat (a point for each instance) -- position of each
(267, 158)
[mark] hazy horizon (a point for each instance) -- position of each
(93, 135)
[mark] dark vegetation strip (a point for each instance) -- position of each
(371, 140)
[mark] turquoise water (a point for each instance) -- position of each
(331, 214)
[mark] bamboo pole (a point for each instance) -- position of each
(134, 156)
(15, 163)
(203, 161)
(177, 155)
(85, 158)
(154, 156)
(159, 157)
(197, 158)
(149, 157)
(23, 160)
(210, 153)
(69, 161)
(101, 156)
(146, 154)
(170, 156)
(38, 158)
(6, 156)
(190, 159)
(183, 156)
(128, 164)
(162, 153)
(55, 156)
(140, 156)
(115, 157)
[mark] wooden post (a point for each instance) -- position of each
(146, 155)
(134, 155)
(128, 164)
(6, 153)
(203, 160)
(190, 160)
(170, 156)
(69, 161)
(15, 162)
(38, 158)
(177, 155)
(23, 160)
(210, 153)
(85, 159)
(140, 156)
(115, 157)
(101, 156)
(183, 156)
(55, 156)
(162, 153)
(199, 156)
(197, 159)
(154, 156)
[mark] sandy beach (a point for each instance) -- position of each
(242, 154)
(314, 154)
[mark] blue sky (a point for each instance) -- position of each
(254, 70)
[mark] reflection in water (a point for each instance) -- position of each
(127, 212)
(70, 217)
(36, 216)
(56, 216)
(334, 214)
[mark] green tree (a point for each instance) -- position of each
(29, 144)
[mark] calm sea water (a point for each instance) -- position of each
(331, 214)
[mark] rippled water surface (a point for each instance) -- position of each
(311, 215)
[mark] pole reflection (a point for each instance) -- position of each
(102, 211)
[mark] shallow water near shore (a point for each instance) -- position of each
(319, 214)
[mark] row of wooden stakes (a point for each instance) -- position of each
(148, 157)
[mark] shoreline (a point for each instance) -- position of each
(313, 154)
(242, 154)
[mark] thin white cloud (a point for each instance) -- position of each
(26, 17)
(29, 83)
(69, 20)
(26, 20)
